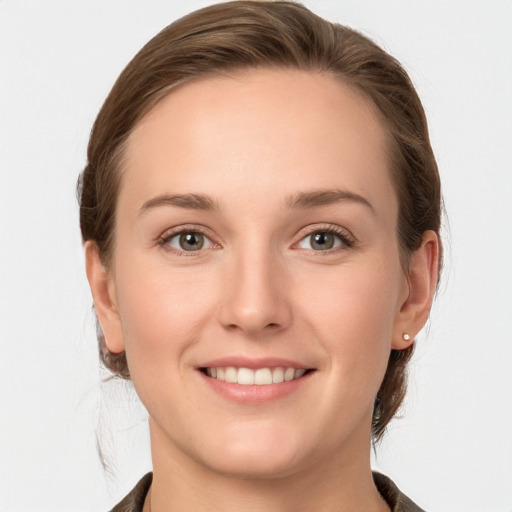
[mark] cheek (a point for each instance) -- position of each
(162, 311)
(353, 314)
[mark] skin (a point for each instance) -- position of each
(252, 142)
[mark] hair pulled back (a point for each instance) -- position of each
(279, 34)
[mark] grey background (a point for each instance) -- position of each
(452, 448)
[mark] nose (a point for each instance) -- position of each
(256, 299)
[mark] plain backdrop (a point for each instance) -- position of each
(451, 450)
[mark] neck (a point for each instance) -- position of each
(182, 484)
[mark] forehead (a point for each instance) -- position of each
(261, 130)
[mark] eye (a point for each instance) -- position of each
(188, 241)
(324, 241)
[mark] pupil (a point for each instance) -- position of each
(322, 241)
(191, 241)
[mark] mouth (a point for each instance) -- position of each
(258, 376)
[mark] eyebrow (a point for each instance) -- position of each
(312, 199)
(300, 200)
(188, 201)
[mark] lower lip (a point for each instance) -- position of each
(255, 393)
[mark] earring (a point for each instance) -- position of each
(406, 336)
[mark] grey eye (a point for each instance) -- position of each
(189, 241)
(320, 241)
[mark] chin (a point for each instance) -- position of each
(269, 455)
(256, 467)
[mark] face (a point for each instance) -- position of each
(256, 275)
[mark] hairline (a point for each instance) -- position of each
(393, 154)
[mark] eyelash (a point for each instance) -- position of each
(164, 239)
(347, 240)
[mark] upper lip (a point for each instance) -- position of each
(253, 363)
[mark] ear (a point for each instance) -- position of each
(422, 277)
(102, 287)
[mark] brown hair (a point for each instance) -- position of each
(279, 34)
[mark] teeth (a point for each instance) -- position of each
(245, 376)
(289, 374)
(277, 375)
(231, 374)
(261, 376)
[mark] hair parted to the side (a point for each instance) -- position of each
(249, 34)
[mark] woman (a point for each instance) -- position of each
(261, 213)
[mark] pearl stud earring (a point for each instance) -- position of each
(406, 336)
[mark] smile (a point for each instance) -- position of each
(259, 376)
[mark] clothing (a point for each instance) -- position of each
(397, 501)
(134, 500)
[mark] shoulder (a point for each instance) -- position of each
(397, 501)
(134, 500)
